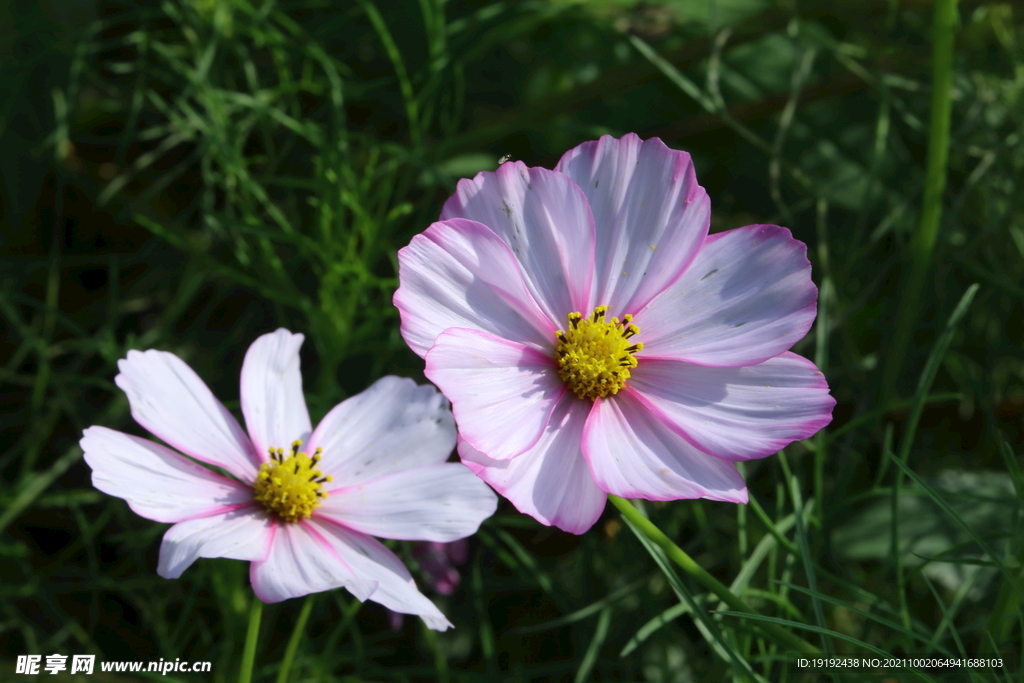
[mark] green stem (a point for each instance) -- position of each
(251, 636)
(923, 243)
(679, 556)
(293, 641)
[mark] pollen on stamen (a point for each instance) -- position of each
(290, 488)
(594, 356)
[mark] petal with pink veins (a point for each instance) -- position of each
(271, 393)
(747, 297)
(242, 534)
(442, 502)
(459, 273)
(367, 557)
(634, 454)
(502, 392)
(551, 482)
(168, 399)
(392, 426)
(738, 413)
(545, 219)
(301, 562)
(158, 483)
(650, 215)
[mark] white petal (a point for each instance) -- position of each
(633, 454)
(242, 534)
(301, 562)
(392, 426)
(158, 483)
(442, 502)
(458, 273)
(502, 393)
(650, 215)
(738, 413)
(169, 400)
(551, 482)
(272, 399)
(545, 219)
(369, 559)
(747, 297)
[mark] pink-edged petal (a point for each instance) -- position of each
(301, 561)
(392, 426)
(459, 273)
(551, 482)
(747, 297)
(396, 589)
(168, 399)
(650, 214)
(158, 483)
(442, 502)
(272, 399)
(242, 534)
(544, 217)
(634, 454)
(502, 392)
(738, 413)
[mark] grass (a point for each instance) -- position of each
(187, 175)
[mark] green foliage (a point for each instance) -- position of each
(186, 175)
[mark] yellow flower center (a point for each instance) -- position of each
(289, 487)
(595, 355)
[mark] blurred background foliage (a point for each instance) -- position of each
(189, 174)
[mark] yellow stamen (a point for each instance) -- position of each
(595, 355)
(289, 488)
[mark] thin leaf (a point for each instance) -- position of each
(579, 614)
(590, 656)
(824, 631)
(938, 500)
(722, 646)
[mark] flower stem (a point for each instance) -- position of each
(922, 244)
(679, 556)
(293, 641)
(251, 636)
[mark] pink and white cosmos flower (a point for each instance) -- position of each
(510, 298)
(304, 522)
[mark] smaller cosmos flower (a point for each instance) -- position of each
(593, 338)
(303, 515)
(438, 562)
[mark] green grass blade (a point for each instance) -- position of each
(931, 368)
(882, 621)
(36, 483)
(395, 55)
(722, 646)
(580, 614)
(787, 623)
(924, 385)
(805, 549)
(1009, 576)
(590, 656)
(487, 645)
(648, 629)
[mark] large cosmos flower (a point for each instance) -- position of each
(304, 521)
(593, 338)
